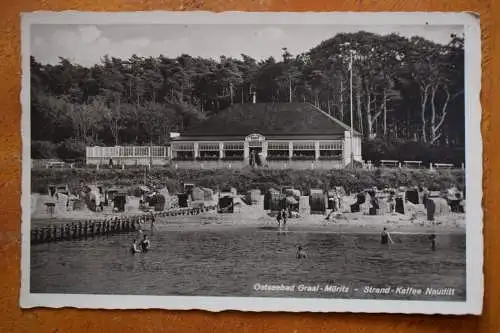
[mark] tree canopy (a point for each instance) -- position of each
(403, 89)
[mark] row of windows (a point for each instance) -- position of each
(335, 145)
(230, 148)
(129, 151)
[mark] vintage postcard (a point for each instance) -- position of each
(324, 162)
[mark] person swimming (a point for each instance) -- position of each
(145, 244)
(385, 237)
(133, 247)
(301, 254)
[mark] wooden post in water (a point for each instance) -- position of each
(79, 232)
(42, 235)
(54, 233)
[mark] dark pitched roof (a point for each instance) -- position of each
(268, 137)
(269, 119)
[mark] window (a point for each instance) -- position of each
(208, 151)
(330, 150)
(234, 150)
(158, 151)
(141, 151)
(182, 151)
(128, 151)
(278, 150)
(303, 151)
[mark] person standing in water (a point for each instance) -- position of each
(145, 244)
(385, 237)
(433, 242)
(301, 254)
(133, 247)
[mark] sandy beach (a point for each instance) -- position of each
(253, 216)
(345, 223)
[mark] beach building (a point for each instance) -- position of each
(272, 135)
(127, 155)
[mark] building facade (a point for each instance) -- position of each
(271, 135)
(127, 155)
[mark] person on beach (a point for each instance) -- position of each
(145, 244)
(392, 203)
(139, 227)
(133, 247)
(152, 221)
(284, 217)
(301, 253)
(385, 237)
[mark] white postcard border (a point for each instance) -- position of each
(474, 169)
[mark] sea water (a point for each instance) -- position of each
(238, 262)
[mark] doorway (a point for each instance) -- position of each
(255, 157)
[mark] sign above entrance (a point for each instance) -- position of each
(255, 137)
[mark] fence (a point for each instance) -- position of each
(92, 228)
(396, 164)
(81, 164)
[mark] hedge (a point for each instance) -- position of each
(247, 179)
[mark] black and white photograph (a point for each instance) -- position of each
(324, 162)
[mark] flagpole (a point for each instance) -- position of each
(352, 117)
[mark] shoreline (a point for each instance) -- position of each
(346, 223)
(335, 228)
(349, 223)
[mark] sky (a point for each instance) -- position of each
(87, 44)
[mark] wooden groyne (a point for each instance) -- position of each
(91, 228)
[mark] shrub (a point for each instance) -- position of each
(208, 158)
(71, 150)
(43, 150)
(376, 150)
(278, 158)
(233, 158)
(303, 158)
